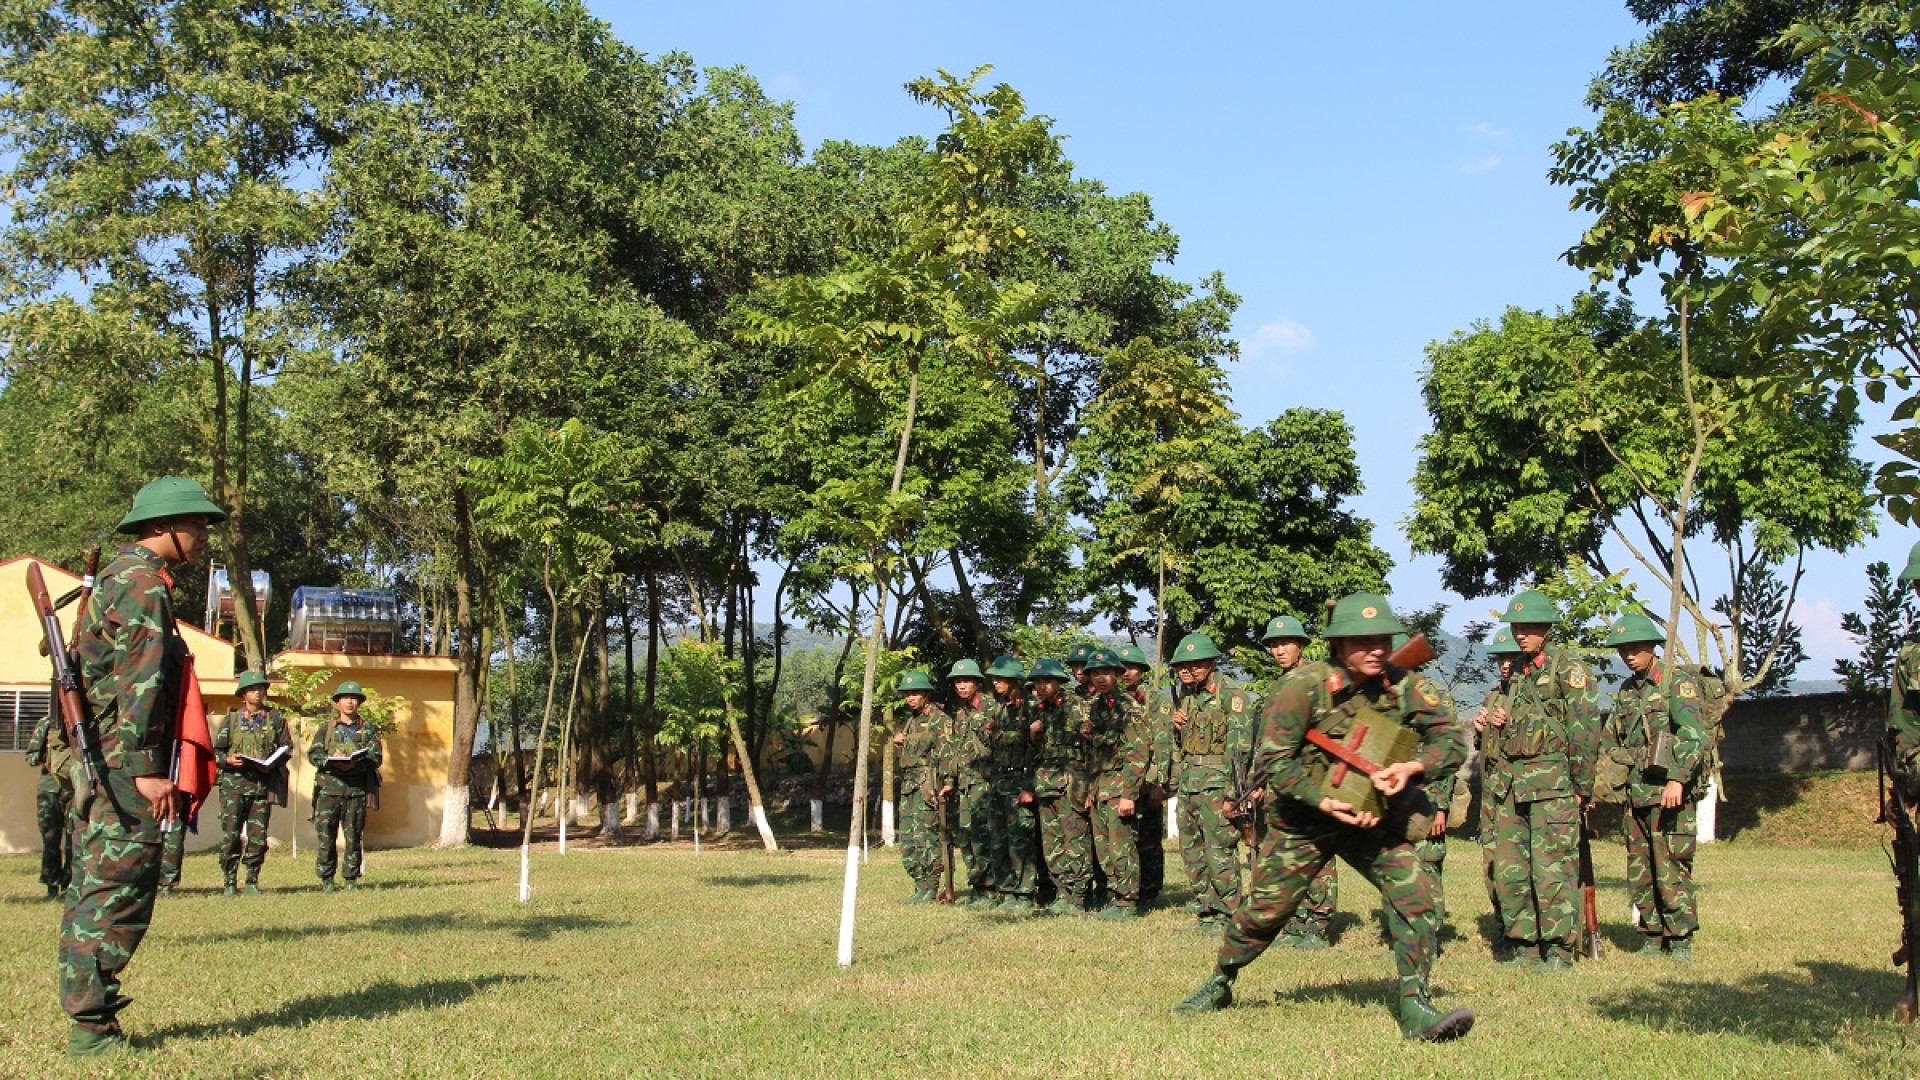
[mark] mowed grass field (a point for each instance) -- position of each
(652, 961)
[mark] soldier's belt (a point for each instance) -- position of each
(1218, 761)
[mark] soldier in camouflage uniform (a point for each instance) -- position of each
(971, 768)
(1491, 764)
(133, 662)
(249, 734)
(53, 802)
(1116, 730)
(1286, 641)
(1548, 732)
(1304, 828)
(1212, 720)
(1432, 851)
(1061, 787)
(1660, 784)
(1077, 666)
(1153, 796)
(341, 787)
(917, 764)
(1010, 802)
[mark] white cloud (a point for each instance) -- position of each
(1281, 337)
(1821, 636)
(1476, 166)
(1487, 129)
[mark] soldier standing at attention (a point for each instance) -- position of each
(53, 802)
(1305, 828)
(1211, 718)
(1495, 779)
(1286, 641)
(1010, 798)
(1061, 787)
(1116, 731)
(340, 785)
(972, 770)
(249, 734)
(1077, 664)
(1548, 730)
(918, 742)
(1661, 731)
(1153, 796)
(134, 665)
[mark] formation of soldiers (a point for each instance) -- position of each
(1045, 781)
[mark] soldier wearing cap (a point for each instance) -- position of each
(1304, 827)
(1077, 665)
(346, 755)
(1548, 730)
(919, 751)
(972, 769)
(1153, 795)
(1061, 786)
(53, 801)
(1491, 765)
(1010, 801)
(250, 735)
(134, 663)
(1286, 641)
(1656, 736)
(1116, 732)
(1007, 675)
(1211, 719)
(1431, 852)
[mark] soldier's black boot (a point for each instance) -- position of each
(1420, 1021)
(1214, 994)
(53, 892)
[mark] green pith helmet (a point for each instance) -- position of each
(1632, 629)
(1285, 628)
(1048, 668)
(1531, 606)
(248, 680)
(1006, 667)
(1105, 658)
(349, 689)
(1079, 654)
(915, 680)
(1133, 656)
(1912, 572)
(1195, 647)
(965, 669)
(1363, 614)
(168, 497)
(1503, 644)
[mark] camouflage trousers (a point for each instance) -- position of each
(1066, 842)
(1116, 845)
(1483, 832)
(1536, 868)
(173, 848)
(1432, 856)
(920, 854)
(1016, 843)
(1294, 848)
(974, 795)
(52, 805)
(1210, 849)
(347, 815)
(1660, 846)
(244, 809)
(1153, 843)
(1317, 907)
(116, 873)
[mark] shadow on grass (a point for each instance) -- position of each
(384, 998)
(1816, 1006)
(538, 928)
(753, 881)
(1381, 992)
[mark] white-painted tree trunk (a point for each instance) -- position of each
(582, 809)
(1173, 817)
(653, 821)
(563, 834)
(886, 823)
(609, 820)
(526, 889)
(632, 814)
(765, 828)
(1707, 813)
(816, 815)
(723, 816)
(675, 833)
(453, 822)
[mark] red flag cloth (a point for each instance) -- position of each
(193, 746)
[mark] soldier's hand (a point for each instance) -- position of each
(233, 760)
(1086, 729)
(1393, 779)
(1254, 796)
(1123, 807)
(1026, 798)
(986, 729)
(1498, 718)
(1480, 720)
(1439, 828)
(1345, 814)
(1226, 808)
(158, 791)
(946, 791)
(1179, 718)
(900, 739)
(1671, 795)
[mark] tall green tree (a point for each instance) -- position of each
(1891, 619)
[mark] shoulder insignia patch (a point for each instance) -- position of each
(1239, 704)
(1544, 680)
(1686, 689)
(1577, 678)
(1428, 694)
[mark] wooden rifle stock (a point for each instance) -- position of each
(1589, 902)
(945, 895)
(1415, 654)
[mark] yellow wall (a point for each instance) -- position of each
(414, 775)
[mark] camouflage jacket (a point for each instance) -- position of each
(338, 740)
(1552, 733)
(133, 662)
(970, 758)
(1117, 749)
(1010, 745)
(1060, 752)
(1903, 722)
(1441, 786)
(48, 751)
(1219, 729)
(251, 734)
(1319, 697)
(1161, 750)
(921, 753)
(1641, 711)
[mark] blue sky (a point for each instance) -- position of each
(1368, 178)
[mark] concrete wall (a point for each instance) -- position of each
(1807, 733)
